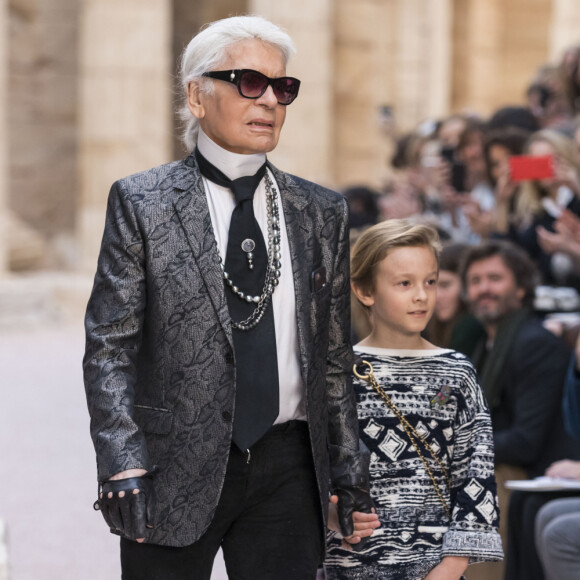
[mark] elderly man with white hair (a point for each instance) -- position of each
(217, 365)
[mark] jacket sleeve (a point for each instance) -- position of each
(349, 462)
(113, 325)
(473, 530)
(536, 398)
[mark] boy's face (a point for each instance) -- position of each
(403, 298)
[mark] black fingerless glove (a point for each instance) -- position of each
(350, 500)
(350, 479)
(128, 516)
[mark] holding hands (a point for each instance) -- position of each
(360, 525)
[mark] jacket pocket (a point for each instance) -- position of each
(152, 419)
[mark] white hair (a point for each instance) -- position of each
(209, 48)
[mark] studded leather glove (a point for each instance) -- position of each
(126, 512)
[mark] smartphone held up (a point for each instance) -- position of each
(529, 167)
(458, 172)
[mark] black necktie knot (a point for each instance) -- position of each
(243, 188)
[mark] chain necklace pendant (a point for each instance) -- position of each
(248, 246)
(273, 268)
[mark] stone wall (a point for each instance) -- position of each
(92, 92)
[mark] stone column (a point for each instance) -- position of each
(306, 144)
(477, 75)
(440, 16)
(565, 27)
(364, 57)
(125, 94)
(423, 64)
(3, 139)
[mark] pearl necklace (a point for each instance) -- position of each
(273, 269)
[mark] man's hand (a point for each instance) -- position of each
(364, 524)
(450, 568)
(126, 501)
(566, 468)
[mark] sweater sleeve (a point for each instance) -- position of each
(473, 530)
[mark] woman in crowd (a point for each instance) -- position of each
(540, 203)
(452, 326)
(500, 145)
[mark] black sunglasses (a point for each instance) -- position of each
(253, 84)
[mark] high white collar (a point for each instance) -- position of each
(233, 165)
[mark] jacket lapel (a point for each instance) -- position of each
(294, 204)
(190, 203)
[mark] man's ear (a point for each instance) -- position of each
(195, 100)
(520, 293)
(364, 295)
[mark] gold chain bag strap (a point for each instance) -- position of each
(411, 432)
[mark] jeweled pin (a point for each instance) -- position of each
(441, 397)
(248, 246)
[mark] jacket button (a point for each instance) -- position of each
(227, 416)
(230, 358)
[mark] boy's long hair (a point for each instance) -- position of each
(376, 242)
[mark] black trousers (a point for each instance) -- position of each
(267, 522)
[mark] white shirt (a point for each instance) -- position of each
(221, 204)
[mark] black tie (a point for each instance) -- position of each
(257, 389)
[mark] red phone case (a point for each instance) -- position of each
(524, 167)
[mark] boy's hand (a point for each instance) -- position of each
(364, 524)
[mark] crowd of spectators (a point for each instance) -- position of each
(507, 233)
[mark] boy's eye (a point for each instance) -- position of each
(405, 283)
(432, 282)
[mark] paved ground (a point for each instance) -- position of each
(47, 470)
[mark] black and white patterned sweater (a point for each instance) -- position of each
(437, 391)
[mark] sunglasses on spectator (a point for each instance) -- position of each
(253, 84)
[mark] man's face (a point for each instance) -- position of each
(235, 123)
(492, 290)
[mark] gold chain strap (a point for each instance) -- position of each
(411, 433)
